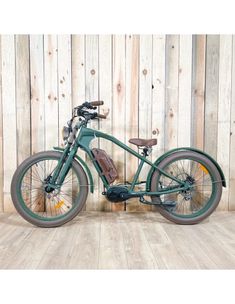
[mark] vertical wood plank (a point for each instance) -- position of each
(64, 92)
(92, 72)
(22, 80)
(232, 138)
(37, 99)
(211, 94)
(37, 94)
(1, 132)
(185, 74)
(22, 97)
(105, 94)
(51, 91)
(78, 78)
(64, 82)
(78, 73)
(172, 85)
(145, 96)
(118, 114)
(145, 86)
(78, 69)
(224, 107)
(198, 89)
(158, 94)
(131, 116)
(9, 117)
(145, 92)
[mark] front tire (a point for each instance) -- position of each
(196, 205)
(61, 207)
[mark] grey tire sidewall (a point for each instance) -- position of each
(211, 167)
(48, 224)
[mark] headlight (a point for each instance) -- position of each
(65, 133)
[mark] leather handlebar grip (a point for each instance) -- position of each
(101, 116)
(96, 103)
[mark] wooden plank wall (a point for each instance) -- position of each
(176, 88)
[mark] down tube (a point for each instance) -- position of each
(87, 149)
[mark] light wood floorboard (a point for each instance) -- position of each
(118, 240)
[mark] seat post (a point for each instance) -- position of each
(146, 151)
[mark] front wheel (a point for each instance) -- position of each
(202, 198)
(39, 204)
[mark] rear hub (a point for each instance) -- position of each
(187, 194)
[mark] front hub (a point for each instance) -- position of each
(47, 187)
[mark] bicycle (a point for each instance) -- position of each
(50, 188)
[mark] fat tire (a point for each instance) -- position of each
(52, 223)
(218, 188)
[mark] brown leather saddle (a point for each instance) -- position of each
(143, 142)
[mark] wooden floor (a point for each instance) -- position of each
(97, 240)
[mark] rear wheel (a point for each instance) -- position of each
(38, 203)
(195, 204)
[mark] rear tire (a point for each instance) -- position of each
(216, 185)
(22, 207)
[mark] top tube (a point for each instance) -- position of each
(86, 135)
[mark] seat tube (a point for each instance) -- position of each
(137, 174)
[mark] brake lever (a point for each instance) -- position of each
(79, 110)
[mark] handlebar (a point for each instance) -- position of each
(82, 110)
(101, 116)
(96, 103)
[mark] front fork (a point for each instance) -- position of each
(61, 170)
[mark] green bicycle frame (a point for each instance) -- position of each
(83, 139)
